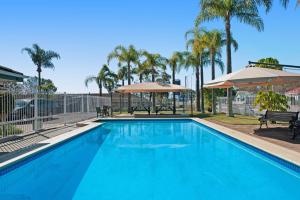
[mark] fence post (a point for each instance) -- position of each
(82, 104)
(65, 107)
(35, 127)
(87, 103)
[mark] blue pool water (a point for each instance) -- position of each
(141, 160)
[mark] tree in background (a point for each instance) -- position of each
(175, 62)
(218, 92)
(269, 60)
(110, 83)
(154, 63)
(48, 86)
(245, 11)
(41, 58)
(271, 101)
(128, 56)
(97, 79)
(30, 85)
(195, 41)
(215, 40)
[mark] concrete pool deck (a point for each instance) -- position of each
(267, 146)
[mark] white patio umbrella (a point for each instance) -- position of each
(254, 76)
(148, 87)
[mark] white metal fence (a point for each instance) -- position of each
(246, 105)
(25, 113)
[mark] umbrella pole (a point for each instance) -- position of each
(120, 103)
(191, 104)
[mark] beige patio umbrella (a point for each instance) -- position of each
(254, 76)
(148, 87)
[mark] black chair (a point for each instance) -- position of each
(99, 111)
(105, 111)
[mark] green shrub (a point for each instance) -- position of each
(271, 101)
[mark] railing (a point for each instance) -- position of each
(246, 105)
(26, 113)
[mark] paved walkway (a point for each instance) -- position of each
(276, 133)
(21, 144)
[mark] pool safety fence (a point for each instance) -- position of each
(25, 113)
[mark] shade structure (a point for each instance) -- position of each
(148, 87)
(254, 76)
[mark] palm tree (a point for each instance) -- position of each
(215, 40)
(97, 79)
(195, 40)
(110, 82)
(128, 56)
(41, 58)
(175, 62)
(245, 11)
(154, 62)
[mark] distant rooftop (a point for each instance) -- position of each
(8, 74)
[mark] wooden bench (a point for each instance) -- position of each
(140, 108)
(163, 108)
(275, 116)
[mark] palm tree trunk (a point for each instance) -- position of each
(197, 89)
(39, 70)
(141, 94)
(100, 88)
(122, 96)
(153, 94)
(129, 83)
(174, 98)
(201, 86)
(229, 67)
(212, 58)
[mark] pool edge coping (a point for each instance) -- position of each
(269, 147)
(49, 143)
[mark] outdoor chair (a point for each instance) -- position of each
(99, 111)
(105, 111)
(274, 116)
(296, 128)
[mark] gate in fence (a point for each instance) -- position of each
(25, 113)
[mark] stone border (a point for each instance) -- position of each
(88, 125)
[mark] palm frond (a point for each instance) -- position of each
(89, 79)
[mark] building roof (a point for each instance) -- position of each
(8, 74)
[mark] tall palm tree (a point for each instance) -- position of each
(129, 56)
(215, 40)
(154, 62)
(110, 82)
(122, 74)
(195, 41)
(175, 62)
(143, 72)
(98, 79)
(245, 11)
(41, 58)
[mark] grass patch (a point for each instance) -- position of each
(236, 120)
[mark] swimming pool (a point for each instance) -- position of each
(150, 159)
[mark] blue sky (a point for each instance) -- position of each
(85, 31)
